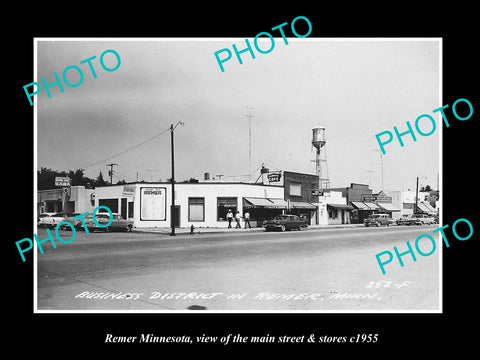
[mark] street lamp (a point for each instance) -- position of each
(172, 208)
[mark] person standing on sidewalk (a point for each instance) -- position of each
(229, 218)
(237, 219)
(246, 218)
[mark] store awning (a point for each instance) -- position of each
(388, 207)
(372, 206)
(359, 205)
(278, 203)
(256, 202)
(425, 207)
(302, 205)
(340, 206)
(430, 207)
(264, 203)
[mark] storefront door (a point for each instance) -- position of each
(177, 216)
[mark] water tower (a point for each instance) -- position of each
(318, 141)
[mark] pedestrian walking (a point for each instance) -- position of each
(237, 219)
(229, 218)
(246, 218)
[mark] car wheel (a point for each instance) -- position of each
(283, 228)
(377, 223)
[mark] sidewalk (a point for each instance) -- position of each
(217, 230)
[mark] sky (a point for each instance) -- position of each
(355, 88)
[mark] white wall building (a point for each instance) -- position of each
(333, 209)
(202, 204)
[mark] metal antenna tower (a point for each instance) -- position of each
(249, 115)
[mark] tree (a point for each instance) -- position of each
(191, 181)
(46, 178)
(100, 181)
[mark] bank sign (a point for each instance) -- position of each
(153, 204)
(62, 181)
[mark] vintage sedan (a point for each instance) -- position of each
(404, 219)
(421, 219)
(285, 222)
(117, 224)
(49, 220)
(377, 220)
(75, 222)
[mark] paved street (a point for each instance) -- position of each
(321, 269)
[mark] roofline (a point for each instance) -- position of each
(193, 183)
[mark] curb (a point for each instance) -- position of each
(201, 231)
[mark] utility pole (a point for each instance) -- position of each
(249, 116)
(111, 172)
(172, 208)
(381, 164)
(416, 198)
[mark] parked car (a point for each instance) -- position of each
(404, 219)
(120, 224)
(117, 224)
(377, 220)
(76, 223)
(49, 220)
(285, 222)
(421, 219)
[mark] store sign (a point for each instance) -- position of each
(62, 181)
(153, 203)
(128, 190)
(274, 177)
(382, 198)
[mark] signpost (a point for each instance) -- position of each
(65, 183)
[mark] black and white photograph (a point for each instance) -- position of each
(285, 198)
(295, 180)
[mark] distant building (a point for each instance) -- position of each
(365, 203)
(78, 199)
(338, 210)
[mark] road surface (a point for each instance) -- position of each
(320, 270)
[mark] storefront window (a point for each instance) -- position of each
(112, 204)
(196, 209)
(332, 213)
(223, 205)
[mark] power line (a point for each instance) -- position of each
(127, 150)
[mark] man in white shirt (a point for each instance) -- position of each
(237, 218)
(246, 218)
